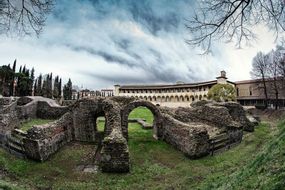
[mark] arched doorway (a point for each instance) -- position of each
(140, 125)
(157, 120)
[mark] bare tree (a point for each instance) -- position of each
(281, 63)
(23, 17)
(260, 70)
(232, 20)
(273, 70)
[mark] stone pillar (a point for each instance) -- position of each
(115, 153)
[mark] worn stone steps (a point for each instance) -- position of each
(14, 143)
(219, 143)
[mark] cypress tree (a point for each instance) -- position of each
(36, 87)
(12, 87)
(59, 88)
(55, 87)
(31, 81)
(45, 86)
(49, 86)
(67, 90)
(39, 86)
(14, 65)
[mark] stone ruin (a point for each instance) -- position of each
(200, 130)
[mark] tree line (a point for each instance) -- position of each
(270, 69)
(24, 83)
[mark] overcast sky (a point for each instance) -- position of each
(100, 43)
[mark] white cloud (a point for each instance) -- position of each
(105, 44)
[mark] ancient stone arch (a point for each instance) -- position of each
(176, 99)
(85, 114)
(157, 121)
(167, 99)
(158, 98)
(163, 99)
(187, 98)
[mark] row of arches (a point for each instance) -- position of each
(172, 98)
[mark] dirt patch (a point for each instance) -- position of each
(270, 116)
(3, 173)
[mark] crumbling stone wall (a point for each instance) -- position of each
(187, 129)
(26, 108)
(8, 120)
(191, 138)
(220, 116)
(238, 114)
(44, 140)
(45, 111)
(85, 113)
(115, 151)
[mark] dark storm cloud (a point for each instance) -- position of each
(99, 43)
(130, 33)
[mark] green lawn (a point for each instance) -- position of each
(258, 162)
(29, 124)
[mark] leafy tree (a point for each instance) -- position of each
(222, 92)
(6, 77)
(22, 84)
(233, 20)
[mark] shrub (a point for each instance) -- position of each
(222, 93)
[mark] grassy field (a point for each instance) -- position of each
(257, 163)
(29, 124)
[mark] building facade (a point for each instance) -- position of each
(86, 93)
(251, 92)
(180, 94)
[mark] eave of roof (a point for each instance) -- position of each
(168, 86)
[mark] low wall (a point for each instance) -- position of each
(44, 140)
(192, 139)
(45, 111)
(8, 119)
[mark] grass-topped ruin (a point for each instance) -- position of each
(203, 129)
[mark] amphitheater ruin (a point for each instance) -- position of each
(200, 130)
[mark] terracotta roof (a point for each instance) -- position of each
(167, 86)
(255, 80)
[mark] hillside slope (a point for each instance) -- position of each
(265, 171)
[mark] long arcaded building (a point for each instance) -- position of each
(249, 92)
(173, 95)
